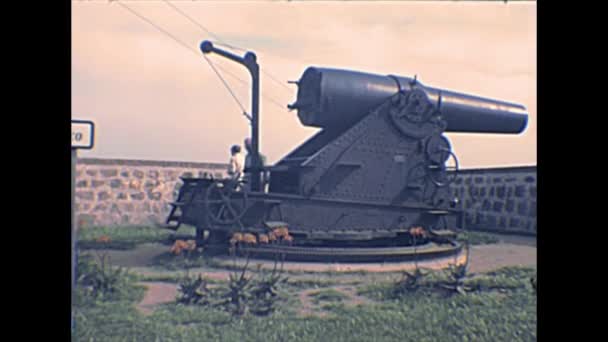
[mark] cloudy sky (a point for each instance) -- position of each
(152, 98)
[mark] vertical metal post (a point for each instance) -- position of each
(462, 216)
(254, 69)
(250, 62)
(73, 234)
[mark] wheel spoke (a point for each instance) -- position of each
(224, 203)
(232, 211)
(225, 198)
(220, 212)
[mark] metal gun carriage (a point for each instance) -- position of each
(379, 166)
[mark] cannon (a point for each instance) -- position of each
(379, 166)
(331, 98)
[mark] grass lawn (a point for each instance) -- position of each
(477, 238)
(484, 315)
(328, 295)
(502, 306)
(125, 238)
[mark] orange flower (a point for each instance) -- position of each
(417, 231)
(103, 239)
(250, 239)
(190, 245)
(272, 237)
(178, 246)
(281, 232)
(236, 238)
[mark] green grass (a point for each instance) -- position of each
(174, 278)
(125, 238)
(503, 308)
(328, 295)
(111, 283)
(479, 316)
(504, 278)
(477, 238)
(170, 262)
(507, 278)
(300, 284)
(476, 317)
(164, 278)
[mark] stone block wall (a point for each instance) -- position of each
(498, 199)
(111, 192)
(118, 192)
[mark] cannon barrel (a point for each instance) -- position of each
(333, 98)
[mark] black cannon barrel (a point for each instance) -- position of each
(337, 98)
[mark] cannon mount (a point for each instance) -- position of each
(380, 166)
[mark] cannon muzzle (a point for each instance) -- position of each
(333, 98)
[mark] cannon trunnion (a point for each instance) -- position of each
(379, 166)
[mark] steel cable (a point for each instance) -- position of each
(190, 49)
(221, 42)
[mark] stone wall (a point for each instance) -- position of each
(114, 192)
(498, 199)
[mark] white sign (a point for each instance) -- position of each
(82, 134)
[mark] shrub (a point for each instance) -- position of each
(409, 282)
(236, 296)
(100, 280)
(193, 290)
(457, 274)
(265, 292)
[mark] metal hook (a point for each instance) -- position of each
(439, 101)
(415, 80)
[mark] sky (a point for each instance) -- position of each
(152, 98)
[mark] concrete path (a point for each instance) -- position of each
(157, 293)
(486, 258)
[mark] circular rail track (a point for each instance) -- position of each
(426, 251)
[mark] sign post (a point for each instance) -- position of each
(82, 138)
